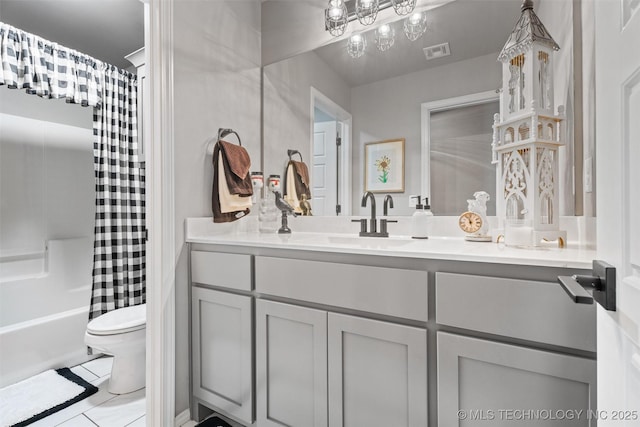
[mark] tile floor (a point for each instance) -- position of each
(102, 409)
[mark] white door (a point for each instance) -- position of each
(323, 192)
(618, 193)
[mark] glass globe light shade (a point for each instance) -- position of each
(415, 26)
(336, 17)
(356, 45)
(385, 37)
(367, 11)
(403, 7)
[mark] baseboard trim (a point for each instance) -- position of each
(182, 418)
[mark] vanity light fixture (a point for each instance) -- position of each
(415, 26)
(340, 12)
(367, 11)
(385, 37)
(356, 45)
(404, 7)
(336, 17)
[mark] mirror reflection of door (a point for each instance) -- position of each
(325, 164)
(461, 142)
(330, 148)
(457, 136)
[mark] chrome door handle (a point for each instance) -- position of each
(603, 284)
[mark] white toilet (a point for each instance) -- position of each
(121, 334)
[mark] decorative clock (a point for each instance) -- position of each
(470, 222)
(474, 220)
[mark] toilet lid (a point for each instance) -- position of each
(120, 321)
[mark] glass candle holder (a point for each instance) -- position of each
(518, 232)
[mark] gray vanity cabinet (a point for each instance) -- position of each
(499, 383)
(377, 373)
(536, 311)
(376, 370)
(343, 342)
(291, 365)
(222, 334)
(222, 351)
(483, 382)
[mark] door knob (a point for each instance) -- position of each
(602, 283)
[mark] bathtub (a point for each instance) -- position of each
(44, 308)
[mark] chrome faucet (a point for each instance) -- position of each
(388, 203)
(373, 228)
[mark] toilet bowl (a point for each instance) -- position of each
(121, 334)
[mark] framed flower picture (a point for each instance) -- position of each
(384, 166)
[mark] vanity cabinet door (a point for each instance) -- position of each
(291, 360)
(488, 383)
(222, 351)
(377, 373)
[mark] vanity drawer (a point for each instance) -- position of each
(529, 310)
(386, 291)
(221, 269)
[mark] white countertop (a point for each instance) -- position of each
(202, 230)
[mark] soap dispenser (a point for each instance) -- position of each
(421, 220)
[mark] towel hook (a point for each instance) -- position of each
(222, 132)
(291, 153)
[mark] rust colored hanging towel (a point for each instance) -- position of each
(231, 163)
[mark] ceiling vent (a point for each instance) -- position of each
(437, 51)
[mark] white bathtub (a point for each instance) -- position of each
(44, 311)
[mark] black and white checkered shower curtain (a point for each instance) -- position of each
(119, 246)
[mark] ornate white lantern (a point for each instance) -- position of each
(527, 133)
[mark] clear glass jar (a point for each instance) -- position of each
(269, 214)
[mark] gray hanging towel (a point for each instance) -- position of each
(234, 170)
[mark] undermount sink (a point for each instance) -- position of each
(369, 242)
(307, 238)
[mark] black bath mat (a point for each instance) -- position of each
(214, 421)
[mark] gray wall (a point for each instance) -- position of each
(287, 106)
(18, 103)
(558, 19)
(216, 84)
(391, 109)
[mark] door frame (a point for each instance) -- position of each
(160, 214)
(324, 103)
(426, 109)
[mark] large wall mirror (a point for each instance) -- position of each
(379, 96)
